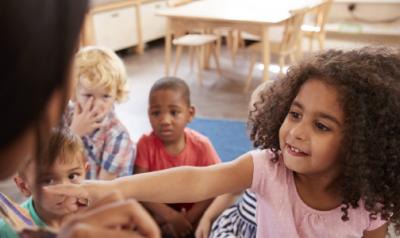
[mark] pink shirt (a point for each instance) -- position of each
(282, 213)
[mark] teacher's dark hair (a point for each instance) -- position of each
(38, 40)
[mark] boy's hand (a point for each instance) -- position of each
(179, 225)
(86, 118)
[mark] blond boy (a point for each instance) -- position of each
(101, 82)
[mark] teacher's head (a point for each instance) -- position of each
(38, 40)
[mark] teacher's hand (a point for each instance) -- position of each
(111, 216)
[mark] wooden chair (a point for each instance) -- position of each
(195, 42)
(316, 29)
(286, 45)
(234, 41)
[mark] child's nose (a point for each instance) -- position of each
(165, 119)
(299, 131)
(98, 104)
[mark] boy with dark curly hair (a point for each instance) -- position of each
(328, 158)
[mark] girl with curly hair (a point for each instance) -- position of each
(328, 158)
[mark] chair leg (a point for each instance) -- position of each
(216, 59)
(219, 43)
(199, 64)
(229, 39)
(281, 64)
(206, 54)
(191, 60)
(242, 43)
(292, 57)
(250, 75)
(235, 45)
(177, 58)
(311, 38)
(321, 40)
(299, 47)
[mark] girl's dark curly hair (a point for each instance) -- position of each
(368, 82)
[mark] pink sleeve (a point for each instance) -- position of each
(265, 171)
(375, 224)
(258, 172)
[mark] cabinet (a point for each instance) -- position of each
(153, 27)
(116, 29)
(115, 24)
(120, 24)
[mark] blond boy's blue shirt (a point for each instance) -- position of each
(7, 232)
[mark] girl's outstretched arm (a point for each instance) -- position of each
(175, 185)
(188, 184)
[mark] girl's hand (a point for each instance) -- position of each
(203, 228)
(111, 217)
(86, 119)
(85, 194)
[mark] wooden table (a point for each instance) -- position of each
(254, 16)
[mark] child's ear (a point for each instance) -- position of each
(86, 167)
(22, 186)
(192, 113)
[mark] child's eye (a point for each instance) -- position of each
(48, 181)
(155, 113)
(294, 115)
(321, 126)
(74, 176)
(87, 95)
(106, 96)
(174, 113)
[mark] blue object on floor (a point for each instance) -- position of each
(229, 138)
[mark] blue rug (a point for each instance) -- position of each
(229, 138)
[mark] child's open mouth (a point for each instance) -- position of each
(295, 151)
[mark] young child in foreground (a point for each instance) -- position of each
(100, 83)
(327, 164)
(68, 168)
(172, 144)
(230, 215)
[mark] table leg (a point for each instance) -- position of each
(206, 52)
(168, 46)
(265, 52)
(140, 46)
